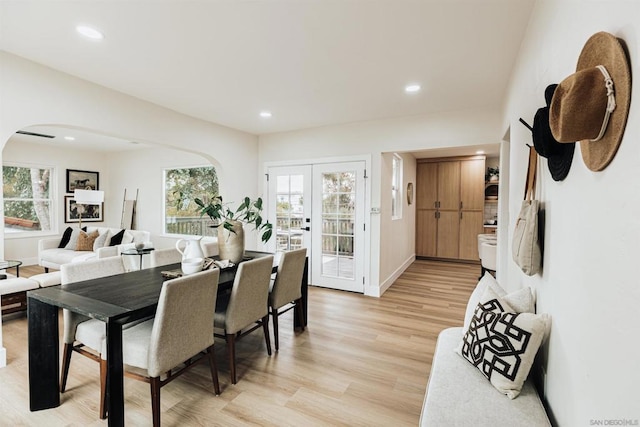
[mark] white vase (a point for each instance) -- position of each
(230, 244)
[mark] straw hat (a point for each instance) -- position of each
(592, 105)
(559, 156)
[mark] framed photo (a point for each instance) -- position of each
(90, 213)
(82, 180)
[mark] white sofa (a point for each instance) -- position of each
(459, 395)
(51, 256)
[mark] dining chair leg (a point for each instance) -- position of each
(155, 400)
(265, 327)
(214, 370)
(231, 349)
(66, 361)
(298, 310)
(274, 315)
(103, 389)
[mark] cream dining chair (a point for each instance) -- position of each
(285, 289)
(82, 332)
(165, 257)
(244, 306)
(179, 334)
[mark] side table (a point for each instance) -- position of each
(10, 264)
(139, 252)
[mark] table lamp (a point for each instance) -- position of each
(86, 197)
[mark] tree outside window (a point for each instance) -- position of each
(181, 187)
(27, 198)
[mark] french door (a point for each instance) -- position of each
(322, 207)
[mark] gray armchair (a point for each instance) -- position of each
(82, 332)
(181, 330)
(245, 306)
(285, 289)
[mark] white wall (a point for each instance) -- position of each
(31, 94)
(465, 128)
(590, 283)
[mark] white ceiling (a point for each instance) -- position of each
(310, 62)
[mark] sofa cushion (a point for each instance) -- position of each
(17, 284)
(502, 344)
(65, 256)
(459, 395)
(47, 279)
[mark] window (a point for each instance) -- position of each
(181, 187)
(396, 187)
(27, 199)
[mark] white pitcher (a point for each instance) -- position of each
(191, 248)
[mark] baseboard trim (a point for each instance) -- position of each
(397, 273)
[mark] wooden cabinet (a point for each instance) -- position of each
(449, 207)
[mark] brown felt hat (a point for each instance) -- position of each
(592, 105)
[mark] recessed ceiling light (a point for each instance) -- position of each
(69, 138)
(89, 32)
(412, 88)
(265, 114)
(479, 152)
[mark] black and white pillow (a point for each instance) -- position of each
(501, 343)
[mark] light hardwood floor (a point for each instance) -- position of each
(361, 362)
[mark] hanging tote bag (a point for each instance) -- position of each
(526, 249)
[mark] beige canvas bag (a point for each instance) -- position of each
(526, 249)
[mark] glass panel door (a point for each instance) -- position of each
(338, 205)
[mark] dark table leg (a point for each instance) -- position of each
(44, 389)
(115, 382)
(305, 288)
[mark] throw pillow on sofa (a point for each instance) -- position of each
(65, 237)
(85, 241)
(102, 240)
(116, 239)
(73, 239)
(503, 344)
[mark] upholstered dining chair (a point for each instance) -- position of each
(82, 332)
(180, 334)
(285, 289)
(165, 257)
(244, 306)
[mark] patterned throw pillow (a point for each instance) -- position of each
(85, 241)
(503, 344)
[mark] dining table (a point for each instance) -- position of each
(115, 300)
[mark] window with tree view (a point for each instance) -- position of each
(27, 199)
(181, 187)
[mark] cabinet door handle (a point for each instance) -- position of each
(460, 204)
(460, 215)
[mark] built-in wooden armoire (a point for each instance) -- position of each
(449, 207)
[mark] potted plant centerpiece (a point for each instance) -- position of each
(230, 224)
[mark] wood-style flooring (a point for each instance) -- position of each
(361, 362)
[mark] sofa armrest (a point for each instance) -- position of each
(49, 243)
(107, 251)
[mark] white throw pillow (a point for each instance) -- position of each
(127, 237)
(73, 240)
(102, 240)
(521, 300)
(503, 344)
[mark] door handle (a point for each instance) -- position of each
(305, 228)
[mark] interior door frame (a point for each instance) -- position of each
(368, 274)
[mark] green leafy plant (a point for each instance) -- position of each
(249, 212)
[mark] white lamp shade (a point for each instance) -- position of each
(88, 197)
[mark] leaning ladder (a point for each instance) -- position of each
(128, 211)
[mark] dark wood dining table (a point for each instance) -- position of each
(115, 300)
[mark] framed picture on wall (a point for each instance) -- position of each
(90, 213)
(82, 180)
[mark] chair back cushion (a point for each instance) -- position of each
(183, 325)
(248, 301)
(165, 257)
(87, 270)
(286, 287)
